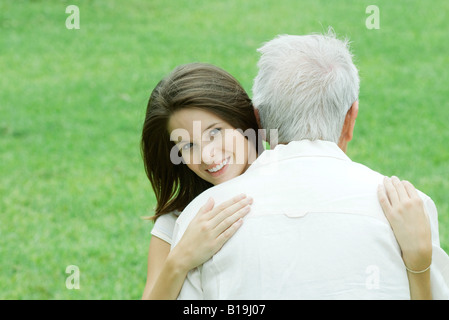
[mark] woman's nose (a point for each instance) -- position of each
(208, 153)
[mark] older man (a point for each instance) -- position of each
(316, 229)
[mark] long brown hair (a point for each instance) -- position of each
(195, 85)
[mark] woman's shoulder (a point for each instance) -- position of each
(168, 218)
(164, 226)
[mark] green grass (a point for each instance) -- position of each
(72, 103)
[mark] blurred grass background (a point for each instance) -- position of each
(72, 103)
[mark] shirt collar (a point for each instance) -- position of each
(299, 149)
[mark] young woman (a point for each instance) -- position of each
(198, 115)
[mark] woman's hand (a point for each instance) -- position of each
(209, 231)
(404, 210)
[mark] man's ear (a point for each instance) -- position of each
(351, 116)
(256, 113)
(259, 125)
(348, 127)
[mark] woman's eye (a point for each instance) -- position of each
(187, 146)
(214, 132)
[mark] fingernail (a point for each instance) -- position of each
(240, 196)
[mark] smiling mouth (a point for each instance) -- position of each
(218, 167)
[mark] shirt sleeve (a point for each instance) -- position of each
(439, 270)
(192, 289)
(164, 226)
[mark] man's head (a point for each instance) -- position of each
(307, 88)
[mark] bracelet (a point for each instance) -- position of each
(418, 272)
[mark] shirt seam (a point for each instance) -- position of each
(257, 166)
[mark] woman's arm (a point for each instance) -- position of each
(165, 276)
(206, 234)
(404, 209)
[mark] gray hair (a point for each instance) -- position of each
(305, 86)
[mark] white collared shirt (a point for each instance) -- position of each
(315, 231)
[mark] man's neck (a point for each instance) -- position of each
(343, 145)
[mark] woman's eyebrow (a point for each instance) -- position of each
(210, 126)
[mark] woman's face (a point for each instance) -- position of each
(210, 147)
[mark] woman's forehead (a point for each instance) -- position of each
(194, 120)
